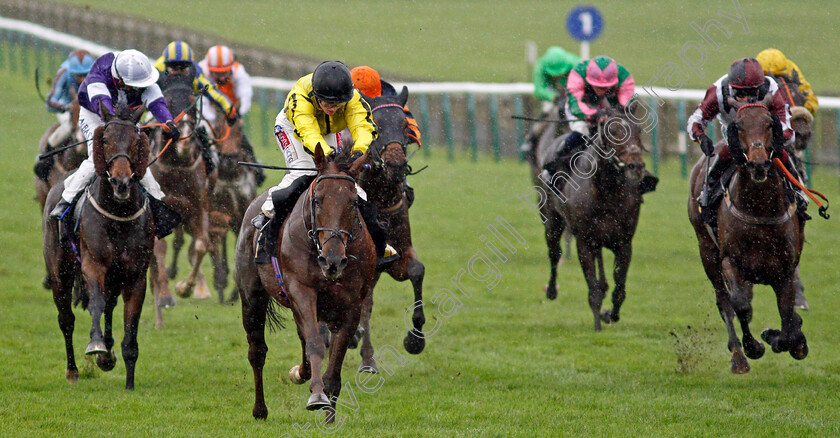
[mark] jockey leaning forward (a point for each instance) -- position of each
(594, 84)
(231, 78)
(317, 109)
(745, 82)
(177, 60)
(120, 77)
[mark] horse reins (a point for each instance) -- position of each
(334, 232)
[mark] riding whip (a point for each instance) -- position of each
(266, 166)
(61, 149)
(38, 85)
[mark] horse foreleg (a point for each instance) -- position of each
(790, 338)
(107, 361)
(553, 232)
(218, 255)
(738, 363)
(623, 253)
(94, 277)
(253, 320)
(177, 244)
(416, 272)
(587, 256)
(332, 376)
(132, 308)
(740, 297)
(306, 318)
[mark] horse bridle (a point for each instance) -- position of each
(377, 159)
(614, 158)
(334, 232)
(735, 122)
(121, 154)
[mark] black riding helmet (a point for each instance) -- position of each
(332, 83)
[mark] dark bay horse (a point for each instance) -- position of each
(758, 241)
(180, 171)
(384, 184)
(327, 261)
(116, 237)
(235, 187)
(599, 203)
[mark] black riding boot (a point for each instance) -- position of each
(259, 173)
(284, 201)
(574, 142)
(378, 232)
(648, 182)
(209, 154)
(409, 194)
(166, 219)
(712, 191)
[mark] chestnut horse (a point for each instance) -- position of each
(116, 237)
(599, 204)
(326, 260)
(180, 171)
(234, 190)
(758, 240)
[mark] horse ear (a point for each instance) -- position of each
(402, 98)
(136, 114)
(320, 160)
(98, 149)
(106, 114)
(142, 156)
(356, 166)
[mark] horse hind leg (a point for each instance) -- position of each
(131, 319)
(63, 298)
(218, 255)
(253, 320)
(195, 282)
(368, 364)
(799, 302)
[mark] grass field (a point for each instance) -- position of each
(507, 363)
(484, 41)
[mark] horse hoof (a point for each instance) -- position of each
(71, 375)
(550, 293)
(96, 347)
(413, 343)
(166, 302)
(754, 349)
(800, 351)
(183, 289)
(172, 272)
(202, 292)
(608, 316)
(294, 375)
(771, 336)
(801, 303)
(369, 367)
(106, 361)
(260, 413)
(317, 401)
(738, 364)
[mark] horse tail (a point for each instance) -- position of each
(80, 295)
(274, 318)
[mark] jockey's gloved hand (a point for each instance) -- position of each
(174, 133)
(706, 145)
(232, 118)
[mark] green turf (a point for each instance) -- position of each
(507, 363)
(484, 41)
